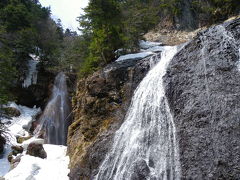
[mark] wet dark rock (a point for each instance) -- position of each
(2, 143)
(202, 87)
(16, 150)
(36, 150)
(10, 157)
(140, 170)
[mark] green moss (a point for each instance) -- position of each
(20, 139)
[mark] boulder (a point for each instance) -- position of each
(36, 150)
(17, 150)
(21, 139)
(12, 112)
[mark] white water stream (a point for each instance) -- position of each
(55, 118)
(145, 146)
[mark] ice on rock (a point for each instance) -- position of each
(135, 56)
(147, 49)
(31, 77)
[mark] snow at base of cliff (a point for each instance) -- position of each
(19, 126)
(54, 167)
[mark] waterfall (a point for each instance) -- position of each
(31, 77)
(145, 146)
(56, 116)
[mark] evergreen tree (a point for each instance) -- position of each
(102, 22)
(24, 26)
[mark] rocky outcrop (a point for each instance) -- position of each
(202, 87)
(100, 105)
(37, 150)
(17, 150)
(11, 112)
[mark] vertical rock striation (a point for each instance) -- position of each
(203, 90)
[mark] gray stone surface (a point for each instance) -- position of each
(203, 90)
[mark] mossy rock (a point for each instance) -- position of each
(12, 112)
(10, 157)
(21, 139)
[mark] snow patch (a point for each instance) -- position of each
(135, 56)
(19, 126)
(55, 166)
(147, 49)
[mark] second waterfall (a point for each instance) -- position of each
(145, 146)
(56, 116)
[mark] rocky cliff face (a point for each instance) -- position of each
(202, 86)
(100, 105)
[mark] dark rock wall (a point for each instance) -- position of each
(203, 90)
(100, 105)
(2, 143)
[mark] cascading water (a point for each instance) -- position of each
(31, 77)
(56, 116)
(145, 146)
